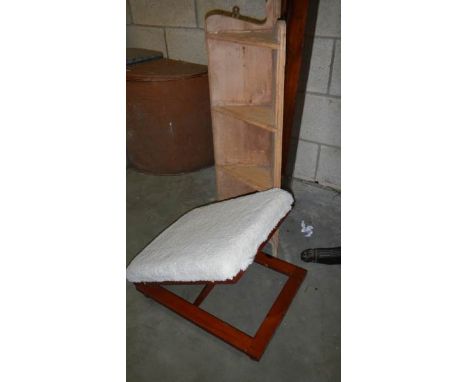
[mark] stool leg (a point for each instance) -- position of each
(203, 294)
(274, 241)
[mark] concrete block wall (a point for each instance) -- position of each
(176, 27)
(318, 138)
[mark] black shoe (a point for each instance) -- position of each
(322, 255)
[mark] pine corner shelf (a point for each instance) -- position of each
(246, 62)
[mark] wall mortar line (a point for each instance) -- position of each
(323, 95)
(166, 26)
(165, 42)
(332, 64)
(317, 162)
(326, 37)
(318, 143)
(196, 12)
(132, 22)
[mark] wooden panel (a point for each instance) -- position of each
(239, 74)
(260, 116)
(228, 186)
(223, 20)
(256, 177)
(257, 38)
(237, 142)
(279, 96)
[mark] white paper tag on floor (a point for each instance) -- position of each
(307, 230)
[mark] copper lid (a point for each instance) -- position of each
(136, 55)
(164, 70)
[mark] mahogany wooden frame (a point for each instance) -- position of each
(252, 346)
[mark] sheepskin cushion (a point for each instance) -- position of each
(213, 242)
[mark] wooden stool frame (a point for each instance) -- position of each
(252, 346)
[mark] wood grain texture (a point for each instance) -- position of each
(260, 116)
(228, 186)
(279, 104)
(262, 38)
(238, 142)
(239, 74)
(257, 177)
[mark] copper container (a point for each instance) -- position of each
(168, 117)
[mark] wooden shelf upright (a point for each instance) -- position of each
(246, 60)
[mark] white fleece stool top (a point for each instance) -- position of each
(213, 242)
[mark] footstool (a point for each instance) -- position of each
(215, 244)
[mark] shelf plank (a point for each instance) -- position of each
(256, 177)
(260, 116)
(266, 39)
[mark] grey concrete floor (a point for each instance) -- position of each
(162, 346)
